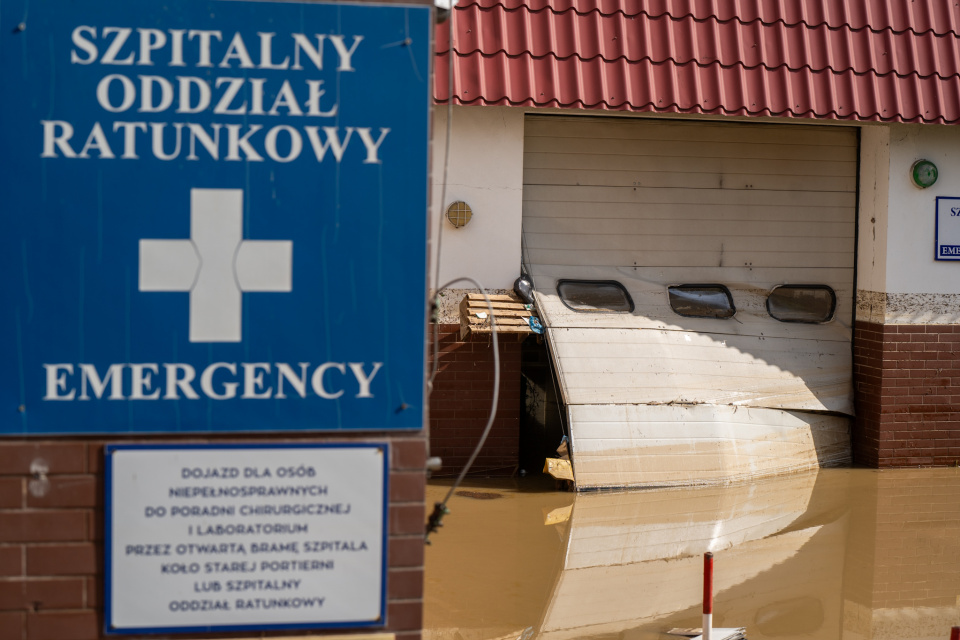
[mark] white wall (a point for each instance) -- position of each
(911, 267)
(485, 170)
(872, 217)
(896, 219)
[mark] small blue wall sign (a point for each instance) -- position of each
(214, 216)
(948, 229)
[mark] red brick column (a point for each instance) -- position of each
(907, 385)
(51, 536)
(460, 403)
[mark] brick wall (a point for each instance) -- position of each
(907, 382)
(460, 403)
(51, 537)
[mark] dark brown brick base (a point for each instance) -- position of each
(907, 390)
(460, 403)
(51, 545)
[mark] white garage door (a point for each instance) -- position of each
(714, 210)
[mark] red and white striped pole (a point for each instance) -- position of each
(955, 633)
(708, 596)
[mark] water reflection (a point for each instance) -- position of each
(849, 554)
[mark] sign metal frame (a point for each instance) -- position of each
(250, 261)
(944, 214)
(110, 514)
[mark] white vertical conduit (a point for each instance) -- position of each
(440, 508)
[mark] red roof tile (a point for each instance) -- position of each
(858, 59)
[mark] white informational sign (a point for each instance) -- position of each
(214, 537)
(948, 228)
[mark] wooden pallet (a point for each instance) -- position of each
(511, 315)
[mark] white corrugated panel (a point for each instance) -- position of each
(627, 445)
(653, 203)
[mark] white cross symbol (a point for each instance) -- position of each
(216, 265)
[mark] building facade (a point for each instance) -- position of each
(882, 77)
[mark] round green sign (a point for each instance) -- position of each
(924, 173)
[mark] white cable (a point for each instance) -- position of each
(496, 384)
(493, 322)
(443, 198)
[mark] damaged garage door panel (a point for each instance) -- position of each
(661, 367)
(642, 445)
(647, 288)
(705, 374)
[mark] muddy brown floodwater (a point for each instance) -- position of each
(848, 554)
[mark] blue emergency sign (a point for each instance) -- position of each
(214, 216)
(947, 228)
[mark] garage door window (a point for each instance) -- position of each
(807, 303)
(702, 300)
(595, 296)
